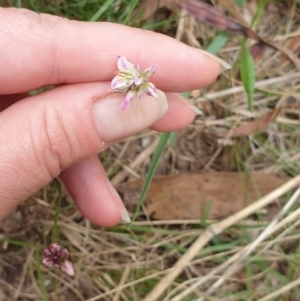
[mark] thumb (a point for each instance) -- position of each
(44, 134)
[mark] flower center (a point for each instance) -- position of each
(56, 259)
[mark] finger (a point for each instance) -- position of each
(93, 194)
(178, 116)
(52, 50)
(47, 133)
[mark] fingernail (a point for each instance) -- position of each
(224, 65)
(112, 123)
(123, 211)
(125, 216)
(189, 103)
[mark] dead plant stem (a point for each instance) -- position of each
(259, 84)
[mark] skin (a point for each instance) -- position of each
(59, 132)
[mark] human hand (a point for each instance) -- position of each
(59, 132)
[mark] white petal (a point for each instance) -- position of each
(150, 90)
(119, 84)
(149, 71)
(128, 98)
(125, 65)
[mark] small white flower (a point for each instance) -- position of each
(133, 81)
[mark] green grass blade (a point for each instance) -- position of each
(131, 9)
(240, 2)
(34, 7)
(163, 139)
(258, 13)
(101, 10)
(19, 4)
(218, 42)
(172, 138)
(205, 214)
(17, 242)
(247, 70)
(159, 24)
(40, 276)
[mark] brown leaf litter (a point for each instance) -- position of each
(186, 196)
(249, 127)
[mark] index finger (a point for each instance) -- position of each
(39, 50)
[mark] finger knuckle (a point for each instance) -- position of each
(59, 146)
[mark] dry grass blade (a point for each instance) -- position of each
(214, 230)
(121, 283)
(293, 46)
(289, 219)
(126, 264)
(150, 6)
(133, 283)
(19, 288)
(259, 84)
(147, 152)
(230, 6)
(282, 290)
(213, 17)
(68, 284)
(249, 249)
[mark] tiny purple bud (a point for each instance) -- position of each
(67, 268)
(63, 254)
(55, 255)
(47, 253)
(48, 262)
(55, 248)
